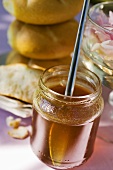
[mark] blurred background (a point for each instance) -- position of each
(5, 20)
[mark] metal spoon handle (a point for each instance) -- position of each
(75, 58)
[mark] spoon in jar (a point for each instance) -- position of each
(75, 58)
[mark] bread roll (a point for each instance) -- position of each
(43, 11)
(43, 42)
(14, 57)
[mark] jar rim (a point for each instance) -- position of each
(82, 70)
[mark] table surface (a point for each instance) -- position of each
(17, 154)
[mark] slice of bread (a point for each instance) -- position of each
(19, 81)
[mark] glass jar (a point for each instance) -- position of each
(98, 1)
(64, 127)
(97, 42)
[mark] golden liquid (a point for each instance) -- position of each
(62, 146)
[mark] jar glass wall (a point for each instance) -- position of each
(64, 127)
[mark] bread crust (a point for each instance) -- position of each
(14, 57)
(43, 12)
(43, 42)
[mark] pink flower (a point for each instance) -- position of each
(101, 19)
(110, 17)
(101, 39)
(102, 34)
